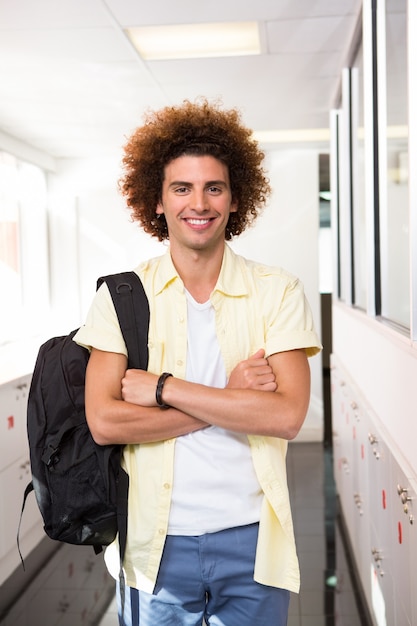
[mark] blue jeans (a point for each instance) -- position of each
(211, 577)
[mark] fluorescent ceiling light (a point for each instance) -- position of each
(293, 135)
(393, 132)
(397, 132)
(187, 41)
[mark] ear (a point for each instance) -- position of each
(233, 206)
(159, 209)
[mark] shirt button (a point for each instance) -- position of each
(161, 531)
(167, 486)
(180, 362)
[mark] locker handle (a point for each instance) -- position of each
(405, 497)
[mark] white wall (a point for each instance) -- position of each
(91, 234)
(383, 364)
(287, 235)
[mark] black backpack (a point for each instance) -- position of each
(80, 487)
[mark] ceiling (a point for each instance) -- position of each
(72, 86)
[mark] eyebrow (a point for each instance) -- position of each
(209, 183)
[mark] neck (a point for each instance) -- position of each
(198, 270)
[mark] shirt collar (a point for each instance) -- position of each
(166, 272)
(231, 279)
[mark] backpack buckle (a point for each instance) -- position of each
(49, 457)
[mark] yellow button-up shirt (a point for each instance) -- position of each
(255, 307)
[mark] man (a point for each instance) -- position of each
(206, 427)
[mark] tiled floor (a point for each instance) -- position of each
(327, 597)
(74, 589)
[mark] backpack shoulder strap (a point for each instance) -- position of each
(132, 308)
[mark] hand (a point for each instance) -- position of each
(139, 387)
(253, 373)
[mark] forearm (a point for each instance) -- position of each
(113, 420)
(124, 423)
(249, 404)
(241, 410)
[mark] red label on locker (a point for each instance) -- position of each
(10, 422)
(362, 451)
(384, 499)
(400, 532)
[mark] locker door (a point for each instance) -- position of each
(412, 521)
(13, 482)
(403, 539)
(13, 398)
(382, 584)
(342, 443)
(361, 502)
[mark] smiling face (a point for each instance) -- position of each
(196, 202)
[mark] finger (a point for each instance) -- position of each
(269, 386)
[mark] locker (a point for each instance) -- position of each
(403, 542)
(382, 583)
(378, 494)
(360, 488)
(342, 442)
(15, 474)
(13, 481)
(13, 402)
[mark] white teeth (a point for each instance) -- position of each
(198, 222)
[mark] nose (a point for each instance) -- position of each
(198, 200)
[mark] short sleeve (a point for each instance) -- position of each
(101, 329)
(291, 327)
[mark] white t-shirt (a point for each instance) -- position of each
(215, 485)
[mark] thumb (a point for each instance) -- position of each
(259, 354)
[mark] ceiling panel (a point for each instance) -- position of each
(89, 44)
(310, 35)
(53, 14)
(71, 83)
(132, 12)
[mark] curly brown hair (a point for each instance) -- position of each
(197, 129)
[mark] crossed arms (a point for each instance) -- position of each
(262, 397)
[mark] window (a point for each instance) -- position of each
(23, 249)
(359, 296)
(394, 194)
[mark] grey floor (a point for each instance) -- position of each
(74, 589)
(327, 596)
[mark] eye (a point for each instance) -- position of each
(214, 189)
(181, 190)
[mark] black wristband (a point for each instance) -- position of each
(159, 389)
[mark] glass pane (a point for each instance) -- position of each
(359, 207)
(10, 265)
(23, 249)
(395, 249)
